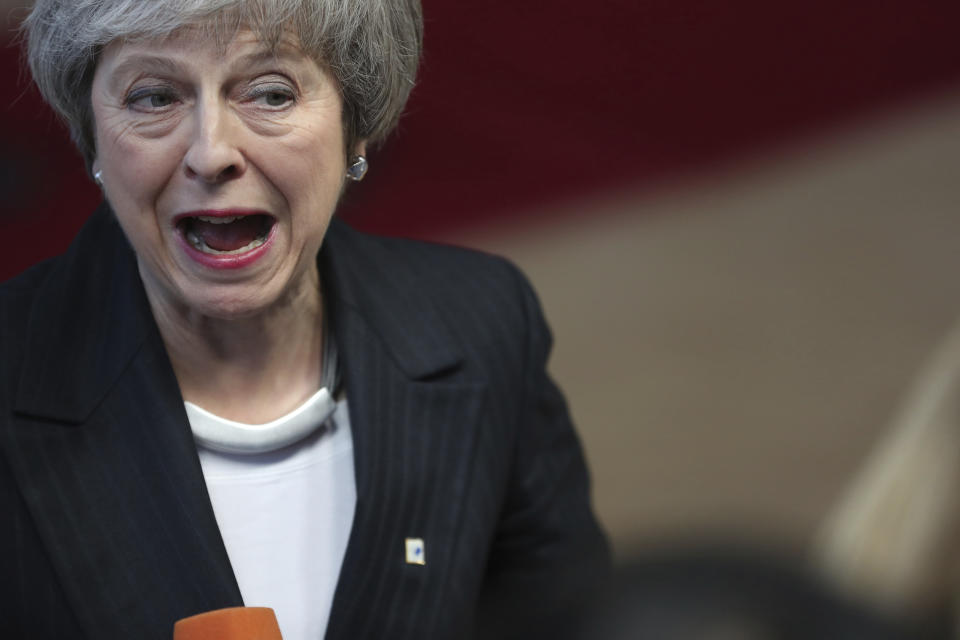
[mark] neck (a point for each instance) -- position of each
(252, 369)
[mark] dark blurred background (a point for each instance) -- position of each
(741, 218)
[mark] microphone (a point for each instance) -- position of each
(234, 623)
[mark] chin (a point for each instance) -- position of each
(229, 303)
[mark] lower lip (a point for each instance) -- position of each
(231, 261)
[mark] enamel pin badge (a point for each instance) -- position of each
(415, 551)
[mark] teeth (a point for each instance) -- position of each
(201, 246)
(218, 220)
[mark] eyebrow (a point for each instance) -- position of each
(266, 56)
(141, 62)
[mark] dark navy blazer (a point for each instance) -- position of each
(459, 437)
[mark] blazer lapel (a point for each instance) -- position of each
(103, 452)
(414, 425)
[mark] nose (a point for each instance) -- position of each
(214, 154)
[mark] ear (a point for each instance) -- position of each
(360, 148)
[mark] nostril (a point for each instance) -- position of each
(228, 172)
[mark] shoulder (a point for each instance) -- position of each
(43, 308)
(437, 303)
(23, 287)
(457, 281)
(18, 295)
(426, 261)
(17, 303)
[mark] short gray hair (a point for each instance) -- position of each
(372, 46)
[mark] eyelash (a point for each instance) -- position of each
(256, 93)
(272, 89)
(144, 93)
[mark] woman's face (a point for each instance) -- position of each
(223, 166)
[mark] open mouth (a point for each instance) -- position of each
(225, 235)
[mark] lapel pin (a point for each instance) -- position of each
(415, 551)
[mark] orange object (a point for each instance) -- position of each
(235, 623)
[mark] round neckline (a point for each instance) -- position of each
(229, 436)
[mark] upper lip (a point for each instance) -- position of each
(218, 213)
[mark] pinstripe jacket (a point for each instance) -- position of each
(460, 439)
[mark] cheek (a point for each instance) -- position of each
(308, 175)
(135, 173)
(142, 166)
(133, 165)
(143, 236)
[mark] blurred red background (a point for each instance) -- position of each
(519, 106)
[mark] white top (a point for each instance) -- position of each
(285, 517)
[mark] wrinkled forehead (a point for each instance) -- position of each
(222, 42)
(187, 56)
(220, 31)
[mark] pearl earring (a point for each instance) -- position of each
(98, 177)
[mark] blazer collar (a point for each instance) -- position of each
(89, 318)
(361, 273)
(71, 365)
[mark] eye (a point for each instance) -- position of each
(159, 100)
(151, 99)
(276, 99)
(272, 96)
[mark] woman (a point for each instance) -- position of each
(220, 395)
